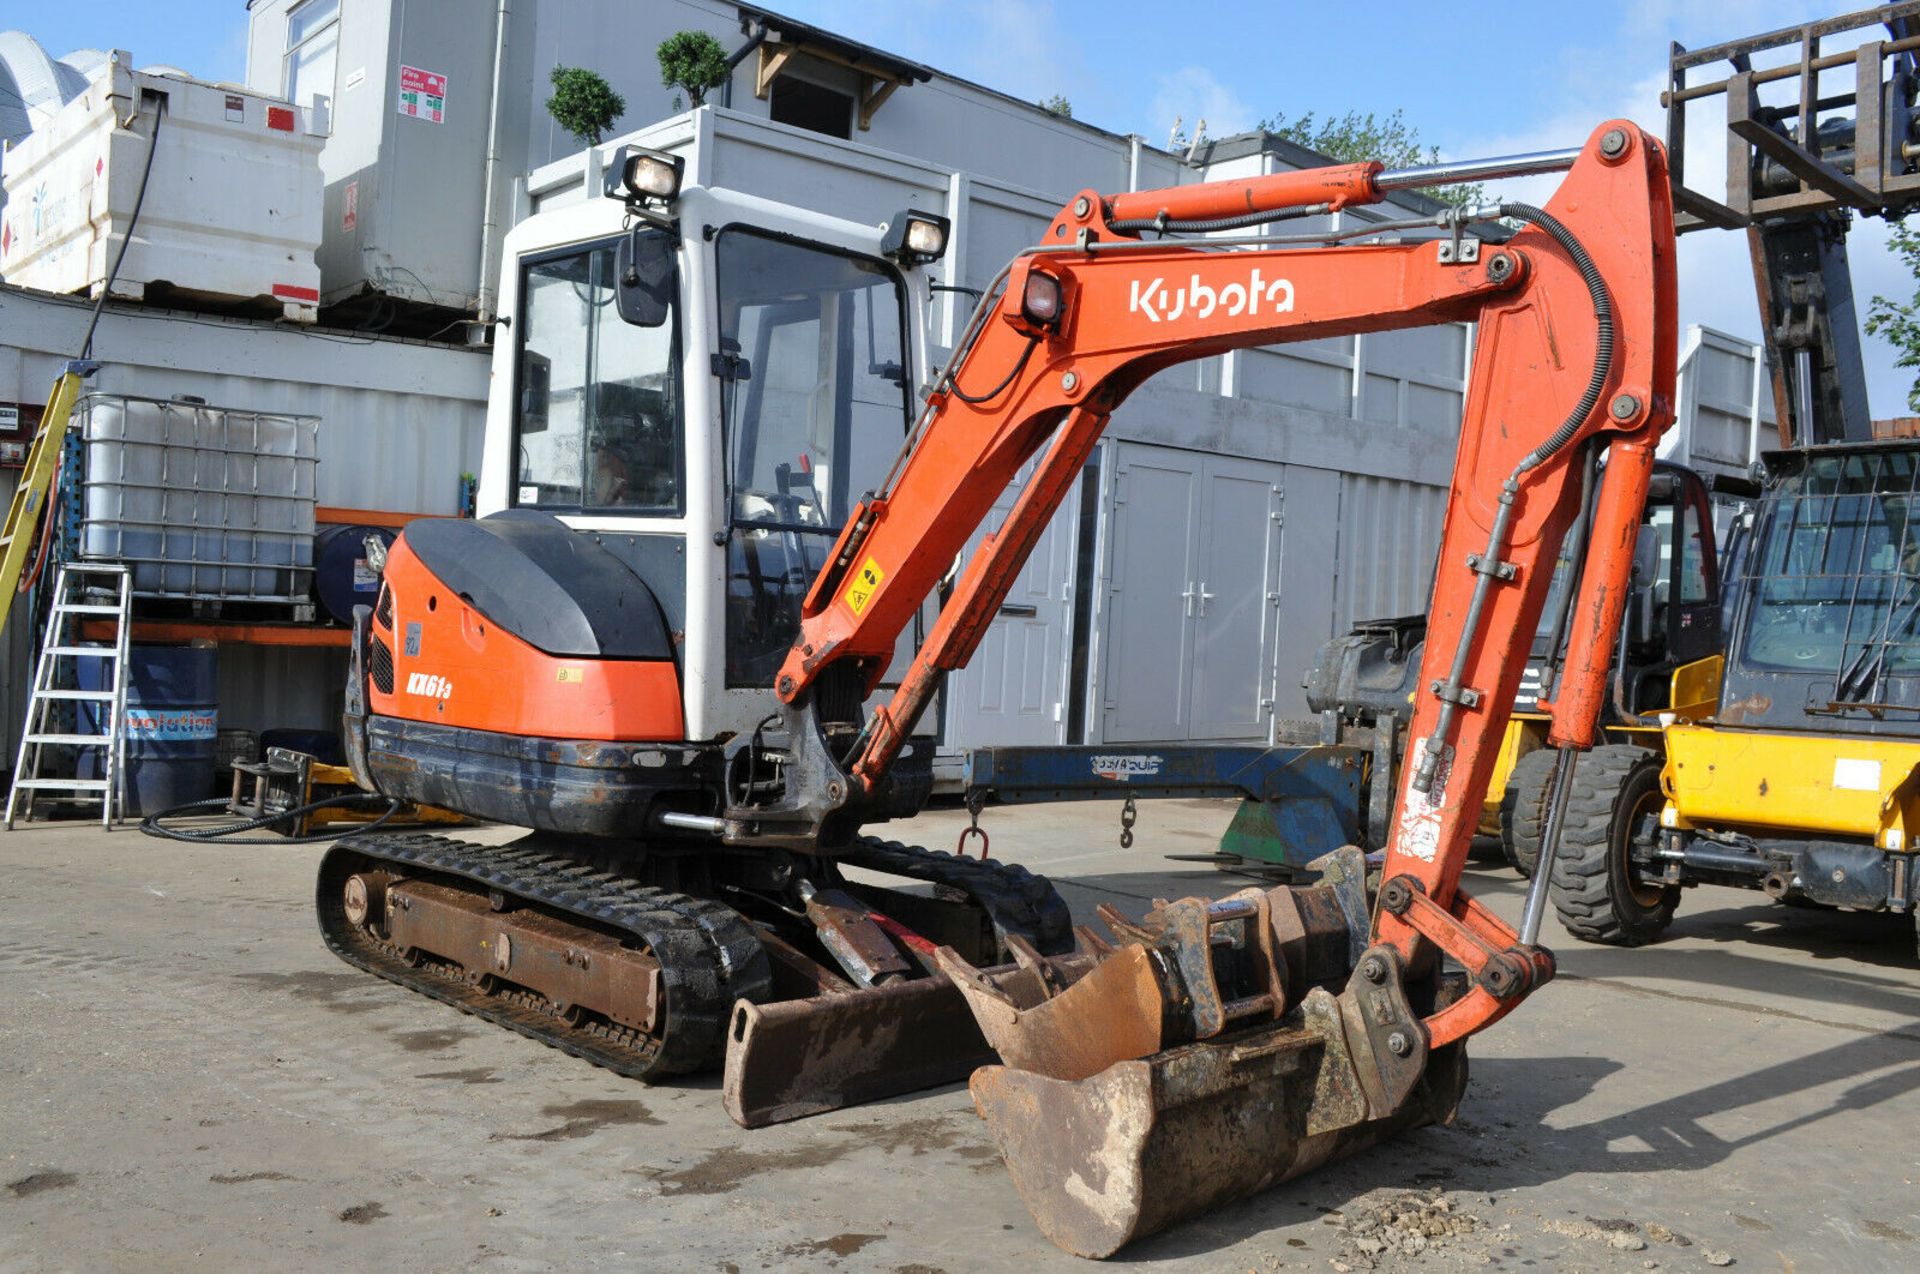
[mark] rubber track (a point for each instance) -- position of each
(708, 954)
(1016, 900)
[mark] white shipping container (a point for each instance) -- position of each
(232, 209)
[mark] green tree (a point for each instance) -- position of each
(693, 62)
(1898, 323)
(1353, 138)
(584, 104)
(1057, 105)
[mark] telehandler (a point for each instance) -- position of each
(1801, 779)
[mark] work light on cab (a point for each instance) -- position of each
(916, 238)
(639, 175)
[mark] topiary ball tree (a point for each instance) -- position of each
(584, 104)
(693, 62)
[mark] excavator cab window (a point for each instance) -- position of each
(598, 404)
(815, 398)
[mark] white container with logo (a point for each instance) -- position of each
(232, 209)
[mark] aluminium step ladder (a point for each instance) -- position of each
(77, 582)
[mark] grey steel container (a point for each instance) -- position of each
(203, 502)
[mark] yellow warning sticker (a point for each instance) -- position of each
(570, 676)
(866, 582)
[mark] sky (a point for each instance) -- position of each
(1473, 82)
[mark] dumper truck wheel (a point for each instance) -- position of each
(1616, 797)
(1523, 809)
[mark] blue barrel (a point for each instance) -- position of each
(341, 576)
(171, 722)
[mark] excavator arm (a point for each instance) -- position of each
(1223, 1045)
(1575, 349)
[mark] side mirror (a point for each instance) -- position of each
(643, 277)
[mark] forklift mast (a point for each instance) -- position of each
(1800, 163)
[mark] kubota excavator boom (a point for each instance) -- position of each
(1575, 351)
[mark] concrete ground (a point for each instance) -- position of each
(188, 1079)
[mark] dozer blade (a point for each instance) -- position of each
(794, 1058)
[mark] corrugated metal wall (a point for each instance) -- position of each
(1724, 413)
(1389, 533)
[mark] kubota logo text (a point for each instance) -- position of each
(432, 687)
(1159, 300)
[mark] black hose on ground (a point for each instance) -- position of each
(152, 826)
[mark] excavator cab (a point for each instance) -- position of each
(688, 419)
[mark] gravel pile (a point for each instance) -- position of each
(1386, 1227)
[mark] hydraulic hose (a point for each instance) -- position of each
(224, 832)
(1241, 222)
(1603, 335)
(1453, 691)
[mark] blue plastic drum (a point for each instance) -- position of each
(341, 577)
(171, 722)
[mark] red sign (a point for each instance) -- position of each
(423, 94)
(350, 214)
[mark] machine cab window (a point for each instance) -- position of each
(1837, 565)
(598, 408)
(814, 395)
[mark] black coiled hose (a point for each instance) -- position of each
(225, 832)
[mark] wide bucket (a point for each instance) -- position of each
(1144, 1144)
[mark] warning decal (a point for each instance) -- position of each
(1421, 812)
(423, 94)
(866, 581)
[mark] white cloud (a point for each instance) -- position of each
(1191, 94)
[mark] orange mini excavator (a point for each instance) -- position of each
(696, 729)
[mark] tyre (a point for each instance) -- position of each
(1523, 809)
(1598, 894)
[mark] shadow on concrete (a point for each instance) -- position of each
(1503, 1139)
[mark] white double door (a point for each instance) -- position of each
(1221, 574)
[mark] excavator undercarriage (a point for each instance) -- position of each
(651, 982)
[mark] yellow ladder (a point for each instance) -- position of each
(36, 479)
